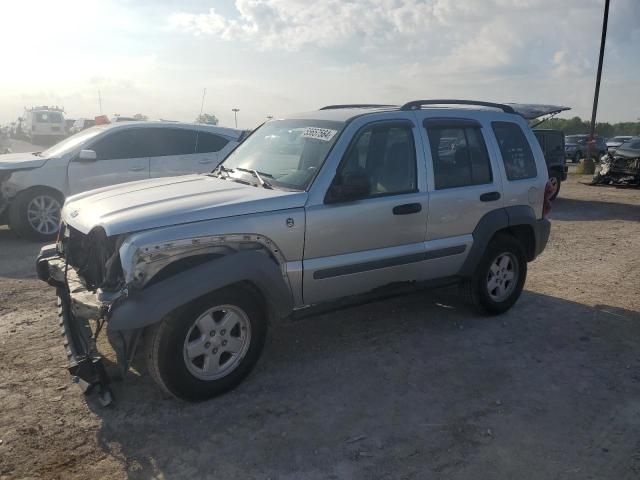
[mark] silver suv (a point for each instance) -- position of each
(309, 209)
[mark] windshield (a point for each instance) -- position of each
(288, 153)
(575, 139)
(71, 142)
(631, 144)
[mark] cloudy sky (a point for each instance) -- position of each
(271, 57)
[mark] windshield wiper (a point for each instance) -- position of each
(222, 169)
(263, 183)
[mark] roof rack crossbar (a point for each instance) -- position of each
(356, 105)
(416, 104)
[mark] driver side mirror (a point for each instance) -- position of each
(87, 156)
(348, 187)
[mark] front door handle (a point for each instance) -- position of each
(407, 209)
(137, 169)
(490, 197)
(204, 160)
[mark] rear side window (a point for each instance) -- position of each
(554, 144)
(209, 142)
(459, 156)
(174, 141)
(516, 152)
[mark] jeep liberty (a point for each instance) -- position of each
(308, 210)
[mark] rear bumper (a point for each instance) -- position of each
(541, 230)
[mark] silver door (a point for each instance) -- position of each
(122, 156)
(464, 181)
(353, 246)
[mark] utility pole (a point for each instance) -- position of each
(235, 114)
(204, 93)
(603, 39)
(100, 101)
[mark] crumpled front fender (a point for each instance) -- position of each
(150, 305)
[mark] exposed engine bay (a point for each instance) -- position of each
(618, 170)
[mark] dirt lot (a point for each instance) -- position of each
(409, 388)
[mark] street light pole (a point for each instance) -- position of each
(603, 39)
(235, 115)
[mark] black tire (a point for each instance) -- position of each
(476, 290)
(555, 176)
(19, 217)
(165, 342)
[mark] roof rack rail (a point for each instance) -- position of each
(416, 104)
(356, 105)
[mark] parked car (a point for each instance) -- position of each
(308, 210)
(43, 125)
(82, 124)
(615, 142)
(552, 144)
(33, 186)
(576, 146)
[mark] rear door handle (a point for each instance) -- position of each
(137, 169)
(490, 197)
(407, 209)
(204, 160)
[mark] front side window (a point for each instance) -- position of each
(288, 153)
(124, 144)
(385, 156)
(459, 156)
(517, 156)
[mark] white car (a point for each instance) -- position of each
(44, 125)
(33, 186)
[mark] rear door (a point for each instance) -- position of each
(122, 156)
(522, 164)
(180, 151)
(464, 183)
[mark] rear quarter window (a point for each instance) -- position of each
(517, 156)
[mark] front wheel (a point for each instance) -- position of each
(209, 346)
(35, 214)
(499, 278)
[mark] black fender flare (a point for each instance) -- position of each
(148, 306)
(501, 219)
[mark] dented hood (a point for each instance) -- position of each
(154, 203)
(20, 161)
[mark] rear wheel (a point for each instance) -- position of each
(499, 278)
(209, 346)
(35, 214)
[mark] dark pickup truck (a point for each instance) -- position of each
(552, 144)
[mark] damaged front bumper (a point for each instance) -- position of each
(78, 309)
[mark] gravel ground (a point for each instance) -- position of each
(409, 388)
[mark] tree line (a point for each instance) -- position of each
(575, 125)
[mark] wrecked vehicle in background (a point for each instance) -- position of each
(620, 168)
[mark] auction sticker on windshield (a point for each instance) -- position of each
(325, 134)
